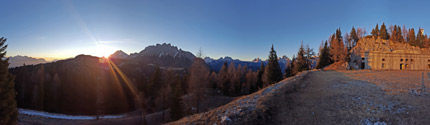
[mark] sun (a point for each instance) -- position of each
(103, 51)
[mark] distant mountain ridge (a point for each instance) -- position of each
(254, 65)
(166, 50)
(164, 55)
(16, 61)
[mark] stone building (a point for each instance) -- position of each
(388, 55)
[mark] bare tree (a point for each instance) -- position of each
(251, 82)
(391, 28)
(361, 32)
(200, 53)
(405, 33)
(348, 41)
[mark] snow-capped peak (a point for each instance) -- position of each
(257, 60)
(208, 59)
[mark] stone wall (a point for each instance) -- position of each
(388, 55)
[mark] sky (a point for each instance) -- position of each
(241, 29)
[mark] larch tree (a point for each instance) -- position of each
(411, 37)
(235, 79)
(153, 86)
(394, 34)
(176, 109)
(8, 106)
(164, 99)
(273, 73)
(300, 61)
(251, 82)
(400, 37)
(198, 83)
(213, 78)
(338, 51)
(224, 79)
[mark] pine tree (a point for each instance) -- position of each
(394, 34)
(8, 109)
(399, 35)
(354, 36)
(324, 56)
(383, 32)
(375, 32)
(273, 70)
(411, 37)
(300, 61)
(288, 71)
(292, 65)
(260, 80)
(309, 53)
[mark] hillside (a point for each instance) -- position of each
(256, 108)
(77, 85)
(329, 97)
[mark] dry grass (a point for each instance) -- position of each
(392, 82)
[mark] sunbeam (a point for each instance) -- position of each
(129, 84)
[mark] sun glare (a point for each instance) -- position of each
(103, 50)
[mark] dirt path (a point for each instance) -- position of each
(334, 98)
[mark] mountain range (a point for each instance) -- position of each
(16, 61)
(254, 65)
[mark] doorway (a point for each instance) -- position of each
(363, 65)
(402, 66)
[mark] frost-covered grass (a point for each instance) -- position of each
(63, 116)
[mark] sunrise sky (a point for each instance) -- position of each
(243, 29)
